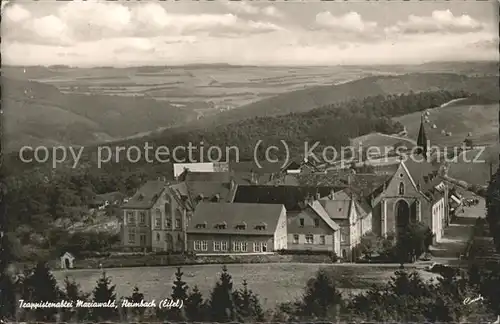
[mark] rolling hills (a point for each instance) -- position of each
(307, 99)
(39, 114)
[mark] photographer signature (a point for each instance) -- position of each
(468, 301)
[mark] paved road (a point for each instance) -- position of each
(457, 235)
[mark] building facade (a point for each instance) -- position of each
(354, 219)
(312, 230)
(155, 219)
(221, 228)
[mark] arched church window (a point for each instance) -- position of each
(401, 188)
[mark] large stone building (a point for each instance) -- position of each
(219, 228)
(155, 218)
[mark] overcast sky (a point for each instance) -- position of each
(97, 33)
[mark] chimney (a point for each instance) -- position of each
(349, 176)
(331, 195)
(318, 196)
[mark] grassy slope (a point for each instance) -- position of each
(40, 111)
(461, 118)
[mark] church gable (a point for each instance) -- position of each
(401, 184)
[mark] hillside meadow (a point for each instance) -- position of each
(275, 283)
(460, 119)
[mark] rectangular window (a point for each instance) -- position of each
(223, 246)
(177, 223)
(256, 247)
(217, 246)
(309, 239)
(197, 245)
(264, 247)
(239, 246)
(316, 223)
(295, 238)
(130, 218)
(158, 222)
(322, 240)
(142, 219)
(301, 222)
(342, 237)
(131, 236)
(204, 245)
(168, 222)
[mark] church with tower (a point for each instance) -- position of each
(413, 193)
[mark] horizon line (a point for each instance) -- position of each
(240, 65)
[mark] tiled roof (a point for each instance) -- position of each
(147, 195)
(222, 177)
(321, 212)
(337, 209)
(208, 190)
(365, 185)
(330, 179)
(290, 196)
(419, 169)
(245, 178)
(234, 214)
(285, 180)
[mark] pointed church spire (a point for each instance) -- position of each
(422, 139)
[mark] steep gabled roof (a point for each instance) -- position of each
(322, 213)
(233, 215)
(337, 209)
(147, 195)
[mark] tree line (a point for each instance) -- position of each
(406, 297)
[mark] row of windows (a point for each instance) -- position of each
(222, 246)
(131, 218)
(142, 221)
(302, 222)
(309, 239)
(132, 238)
(142, 215)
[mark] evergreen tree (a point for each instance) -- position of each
(102, 293)
(321, 298)
(222, 308)
(136, 297)
(179, 292)
(493, 208)
(195, 306)
(41, 286)
(8, 300)
(72, 292)
(247, 305)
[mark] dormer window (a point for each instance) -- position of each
(202, 225)
(241, 226)
(401, 188)
(261, 226)
(222, 225)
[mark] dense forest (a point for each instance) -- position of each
(39, 194)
